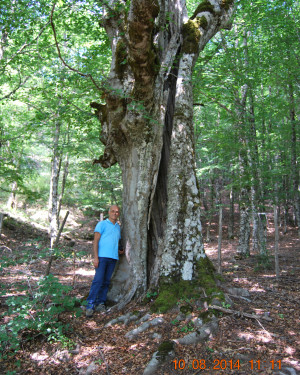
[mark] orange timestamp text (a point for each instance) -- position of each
(223, 364)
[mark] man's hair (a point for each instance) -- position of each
(114, 205)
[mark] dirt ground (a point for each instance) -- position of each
(242, 345)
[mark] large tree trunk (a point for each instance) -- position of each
(147, 127)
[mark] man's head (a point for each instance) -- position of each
(113, 213)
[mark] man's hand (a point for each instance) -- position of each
(121, 251)
(96, 262)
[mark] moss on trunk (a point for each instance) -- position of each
(203, 287)
(121, 59)
(192, 34)
(191, 37)
(226, 4)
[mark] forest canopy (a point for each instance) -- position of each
(245, 107)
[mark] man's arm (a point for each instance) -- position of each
(97, 236)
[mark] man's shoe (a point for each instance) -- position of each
(100, 308)
(89, 313)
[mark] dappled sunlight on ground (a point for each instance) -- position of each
(85, 272)
(261, 336)
(239, 337)
(290, 351)
(39, 357)
(40, 216)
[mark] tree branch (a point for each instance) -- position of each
(81, 110)
(60, 55)
(217, 102)
(239, 313)
(25, 45)
(104, 360)
(16, 89)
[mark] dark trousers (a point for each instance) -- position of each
(100, 284)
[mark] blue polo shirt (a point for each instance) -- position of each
(108, 246)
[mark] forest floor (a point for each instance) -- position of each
(241, 346)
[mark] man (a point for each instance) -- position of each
(106, 253)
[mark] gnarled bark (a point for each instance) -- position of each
(147, 127)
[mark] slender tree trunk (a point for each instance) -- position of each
(244, 208)
(211, 207)
(53, 196)
(249, 166)
(295, 169)
(257, 200)
(255, 222)
(252, 154)
(207, 213)
(12, 200)
(220, 238)
(220, 226)
(63, 185)
(285, 218)
(3, 41)
(2, 215)
(285, 194)
(262, 234)
(276, 247)
(276, 219)
(243, 248)
(231, 215)
(244, 235)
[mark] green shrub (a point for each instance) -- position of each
(263, 262)
(37, 313)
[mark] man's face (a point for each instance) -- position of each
(113, 213)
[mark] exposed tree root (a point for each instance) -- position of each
(239, 313)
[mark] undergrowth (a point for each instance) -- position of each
(263, 262)
(37, 313)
